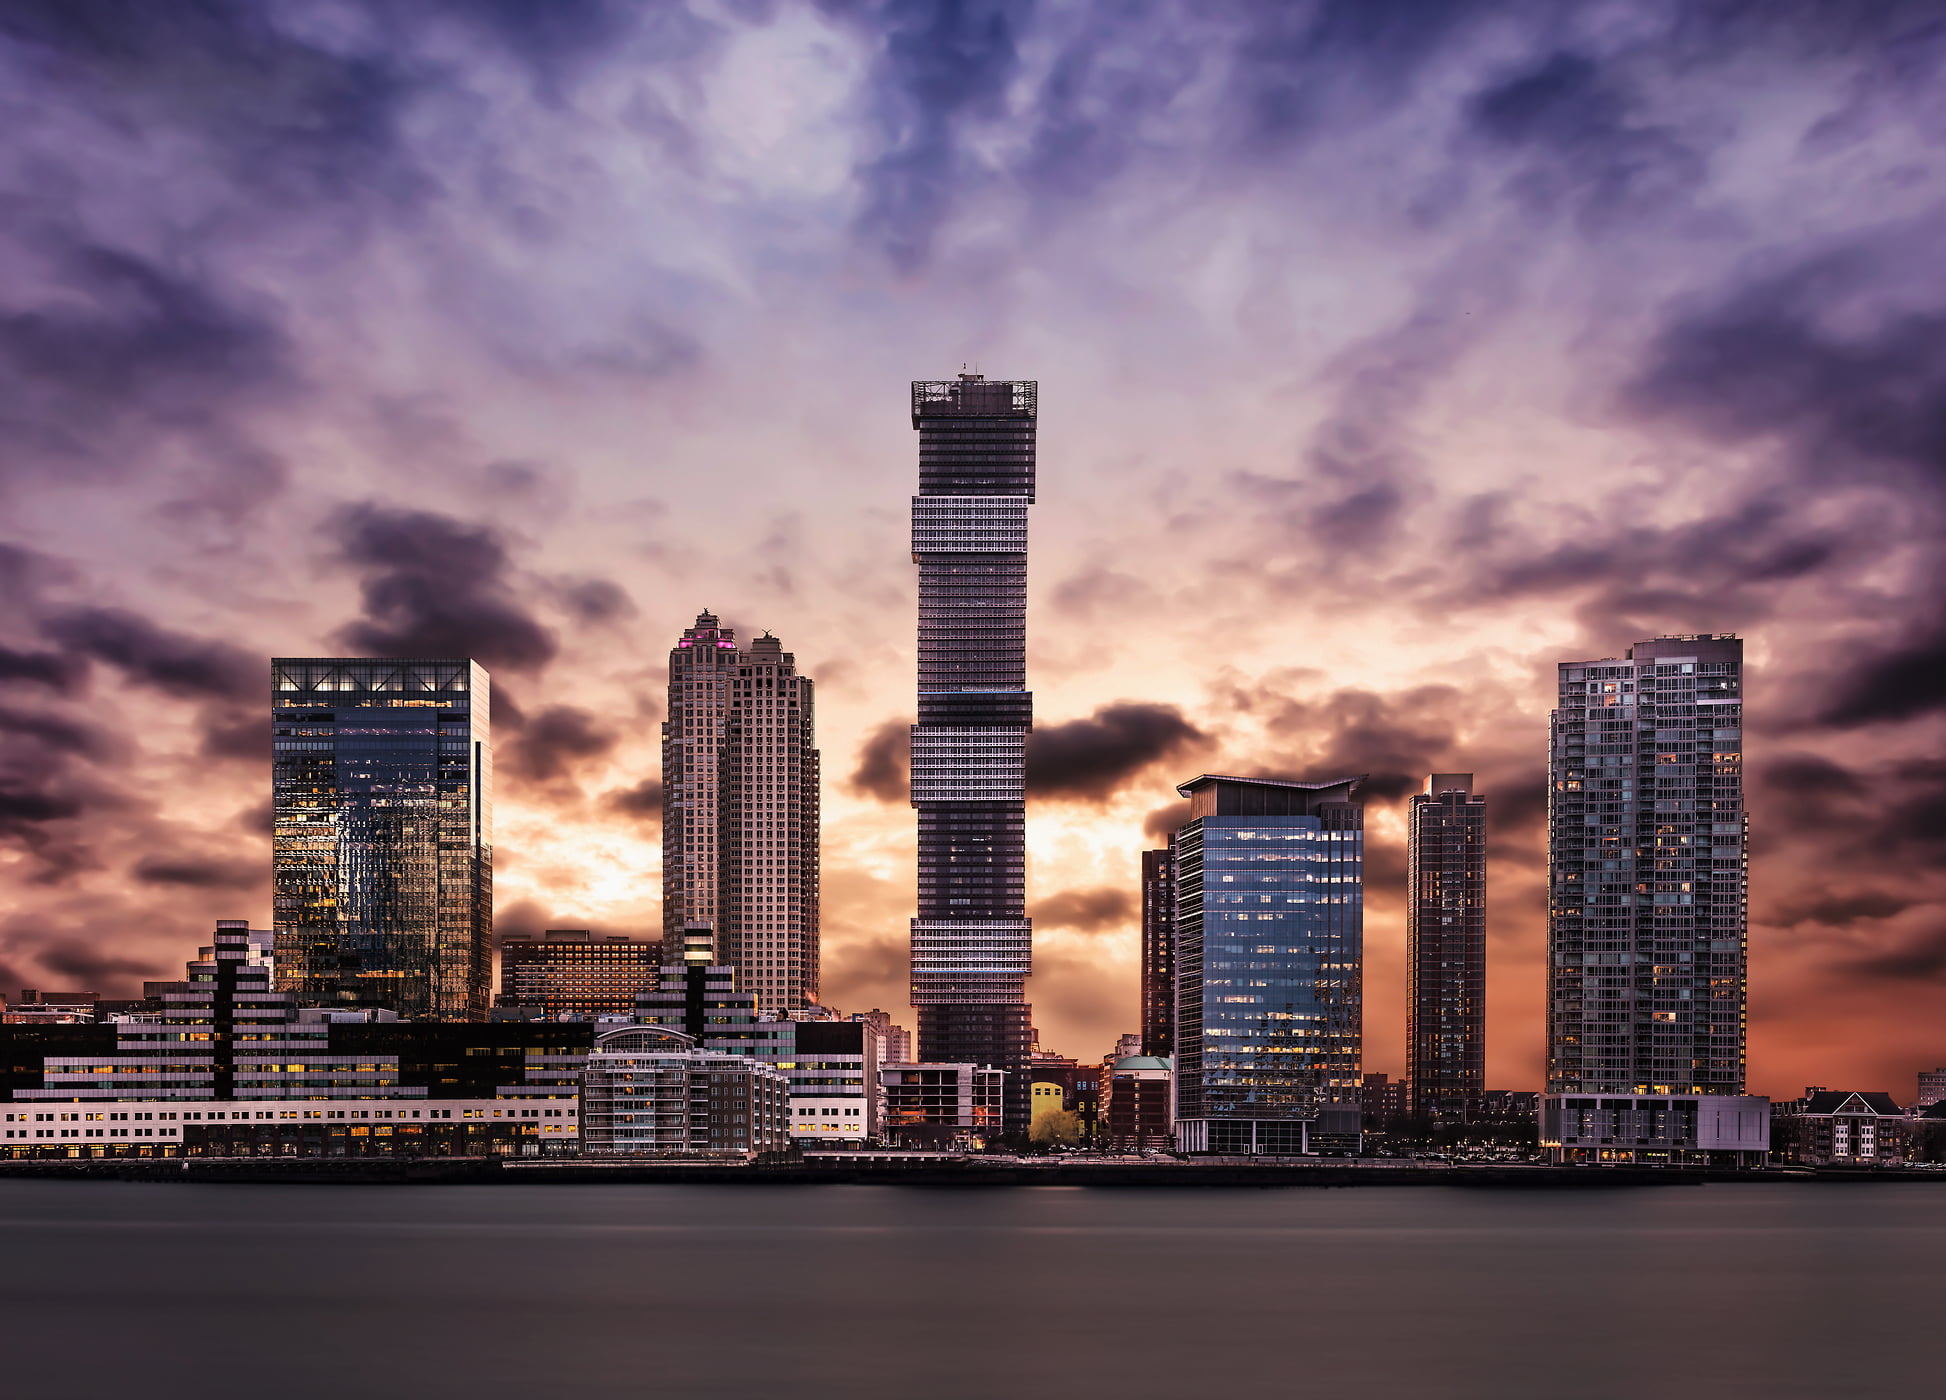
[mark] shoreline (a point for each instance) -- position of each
(476, 1171)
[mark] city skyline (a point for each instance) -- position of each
(532, 349)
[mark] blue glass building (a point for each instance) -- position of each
(1269, 962)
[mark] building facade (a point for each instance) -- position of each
(1840, 1128)
(971, 942)
(940, 1105)
(1932, 1087)
(572, 972)
(1269, 964)
(1135, 1107)
(1159, 952)
(1446, 947)
(653, 1091)
(767, 843)
(701, 666)
(382, 852)
(1715, 1130)
(1647, 875)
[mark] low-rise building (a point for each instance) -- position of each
(834, 1090)
(1726, 1130)
(573, 972)
(1136, 1094)
(1841, 1128)
(942, 1105)
(651, 1090)
(1932, 1087)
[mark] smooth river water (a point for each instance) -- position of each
(372, 1292)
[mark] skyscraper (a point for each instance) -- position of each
(1646, 918)
(1159, 952)
(1446, 946)
(768, 846)
(971, 942)
(701, 665)
(1269, 963)
(382, 857)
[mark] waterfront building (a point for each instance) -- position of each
(701, 666)
(655, 1091)
(36, 1007)
(572, 972)
(1382, 1099)
(767, 847)
(1719, 1130)
(834, 1088)
(1932, 1087)
(1135, 1105)
(382, 851)
(1269, 959)
(971, 941)
(1446, 947)
(941, 1105)
(894, 1040)
(1841, 1128)
(1159, 953)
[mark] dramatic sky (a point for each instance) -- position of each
(1389, 353)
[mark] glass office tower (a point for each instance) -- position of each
(1647, 910)
(971, 942)
(1269, 964)
(1446, 946)
(382, 856)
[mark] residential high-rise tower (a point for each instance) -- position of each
(1159, 952)
(1446, 946)
(768, 843)
(701, 665)
(972, 942)
(1269, 964)
(382, 852)
(1646, 869)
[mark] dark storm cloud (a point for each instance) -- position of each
(1921, 959)
(90, 962)
(1905, 679)
(173, 662)
(555, 740)
(434, 586)
(1166, 821)
(1089, 760)
(188, 873)
(1396, 740)
(1085, 911)
(1585, 141)
(642, 801)
(55, 670)
(884, 763)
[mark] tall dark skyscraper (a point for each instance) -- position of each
(1648, 891)
(972, 943)
(701, 666)
(768, 823)
(1159, 952)
(382, 853)
(1270, 919)
(1446, 946)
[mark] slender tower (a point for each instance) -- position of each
(1446, 946)
(767, 846)
(1159, 951)
(1647, 914)
(972, 943)
(701, 667)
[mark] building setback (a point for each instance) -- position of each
(768, 842)
(1159, 953)
(972, 942)
(1446, 947)
(382, 852)
(701, 666)
(1269, 964)
(1646, 920)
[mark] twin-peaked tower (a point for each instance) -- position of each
(740, 844)
(972, 942)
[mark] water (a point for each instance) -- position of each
(363, 1293)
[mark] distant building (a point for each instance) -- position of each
(1126, 1045)
(1158, 953)
(1135, 1105)
(314, 1127)
(51, 1008)
(701, 666)
(1932, 1087)
(1446, 947)
(1382, 1099)
(382, 852)
(572, 972)
(652, 1091)
(1838, 1128)
(894, 1041)
(1509, 1105)
(833, 1079)
(1269, 956)
(1722, 1130)
(1646, 922)
(941, 1105)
